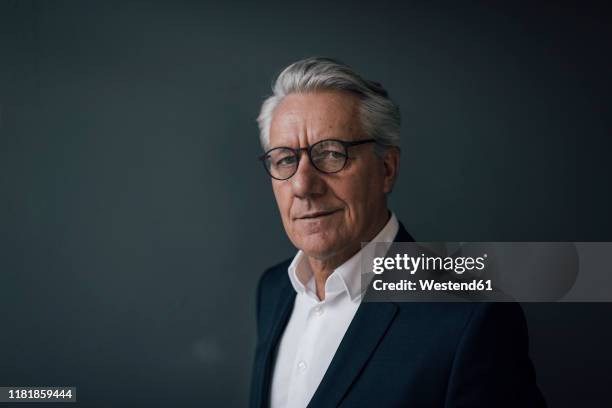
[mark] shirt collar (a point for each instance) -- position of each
(346, 277)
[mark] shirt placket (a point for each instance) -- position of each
(301, 375)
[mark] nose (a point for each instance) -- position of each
(307, 180)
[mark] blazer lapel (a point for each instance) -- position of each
(283, 311)
(363, 335)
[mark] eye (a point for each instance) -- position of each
(331, 154)
(285, 161)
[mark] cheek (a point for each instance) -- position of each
(283, 200)
(359, 197)
(356, 195)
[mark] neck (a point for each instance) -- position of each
(322, 268)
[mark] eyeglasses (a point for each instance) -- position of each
(328, 156)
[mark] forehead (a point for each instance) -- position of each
(304, 118)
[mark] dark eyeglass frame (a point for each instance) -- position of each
(298, 153)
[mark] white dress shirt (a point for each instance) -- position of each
(316, 327)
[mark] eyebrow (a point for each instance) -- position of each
(316, 141)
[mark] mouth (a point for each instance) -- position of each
(316, 215)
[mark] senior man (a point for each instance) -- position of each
(331, 141)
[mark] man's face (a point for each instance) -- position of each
(329, 215)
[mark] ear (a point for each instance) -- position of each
(391, 160)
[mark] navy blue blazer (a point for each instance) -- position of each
(407, 354)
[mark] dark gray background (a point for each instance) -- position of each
(135, 219)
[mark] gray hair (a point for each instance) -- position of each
(380, 117)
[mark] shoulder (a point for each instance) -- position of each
(455, 323)
(275, 276)
(273, 282)
(481, 327)
(270, 287)
(502, 322)
(498, 316)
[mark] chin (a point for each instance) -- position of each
(317, 246)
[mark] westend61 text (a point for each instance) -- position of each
(432, 285)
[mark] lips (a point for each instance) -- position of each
(316, 214)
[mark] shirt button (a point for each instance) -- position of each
(302, 365)
(318, 310)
